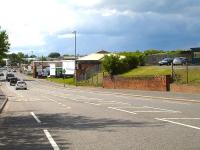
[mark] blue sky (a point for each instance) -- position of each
(44, 26)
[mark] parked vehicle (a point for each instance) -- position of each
(1, 74)
(180, 61)
(165, 61)
(21, 85)
(13, 81)
(8, 76)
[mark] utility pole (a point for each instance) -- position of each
(75, 71)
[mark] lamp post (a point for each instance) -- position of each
(75, 57)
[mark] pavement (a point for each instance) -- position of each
(3, 100)
(50, 116)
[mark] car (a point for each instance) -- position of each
(21, 85)
(13, 81)
(165, 61)
(13, 70)
(180, 61)
(8, 76)
(1, 74)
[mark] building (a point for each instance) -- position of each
(89, 65)
(195, 55)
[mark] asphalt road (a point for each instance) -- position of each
(49, 116)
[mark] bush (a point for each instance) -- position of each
(140, 56)
(114, 65)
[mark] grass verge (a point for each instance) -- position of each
(69, 81)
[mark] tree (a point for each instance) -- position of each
(4, 43)
(54, 55)
(14, 59)
(33, 56)
(112, 64)
(43, 58)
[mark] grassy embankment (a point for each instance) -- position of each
(181, 73)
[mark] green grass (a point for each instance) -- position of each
(69, 81)
(193, 76)
(147, 71)
(181, 74)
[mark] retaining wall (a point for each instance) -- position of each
(159, 83)
(185, 88)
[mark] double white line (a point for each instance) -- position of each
(46, 132)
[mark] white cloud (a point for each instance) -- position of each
(28, 22)
(63, 36)
(85, 3)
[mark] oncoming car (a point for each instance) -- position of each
(21, 85)
(13, 81)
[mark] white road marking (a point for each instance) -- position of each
(181, 103)
(132, 107)
(182, 118)
(122, 110)
(153, 111)
(151, 97)
(92, 103)
(113, 102)
(162, 109)
(36, 118)
(178, 123)
(51, 140)
(94, 98)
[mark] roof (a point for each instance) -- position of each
(97, 56)
(195, 49)
(93, 56)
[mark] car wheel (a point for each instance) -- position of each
(25, 88)
(16, 88)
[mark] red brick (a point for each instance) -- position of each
(159, 83)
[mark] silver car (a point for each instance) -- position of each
(21, 85)
(180, 61)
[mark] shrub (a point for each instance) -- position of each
(114, 65)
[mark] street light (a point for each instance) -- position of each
(74, 32)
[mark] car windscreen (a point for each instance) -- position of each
(10, 75)
(21, 83)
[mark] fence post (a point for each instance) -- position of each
(102, 79)
(172, 71)
(97, 79)
(187, 72)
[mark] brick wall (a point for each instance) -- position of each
(160, 83)
(185, 88)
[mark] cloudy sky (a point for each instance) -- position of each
(45, 26)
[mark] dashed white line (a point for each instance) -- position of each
(35, 117)
(162, 109)
(121, 110)
(178, 123)
(92, 103)
(182, 118)
(51, 140)
(152, 111)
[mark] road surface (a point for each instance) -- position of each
(49, 116)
